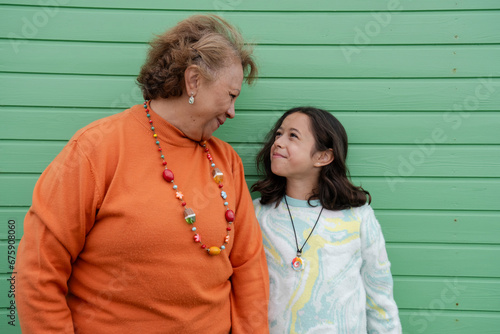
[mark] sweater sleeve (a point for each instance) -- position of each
(381, 309)
(250, 279)
(62, 213)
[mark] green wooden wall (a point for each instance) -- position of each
(416, 84)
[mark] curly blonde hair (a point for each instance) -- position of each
(207, 41)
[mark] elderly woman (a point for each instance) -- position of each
(144, 223)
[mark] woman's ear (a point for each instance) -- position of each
(323, 158)
(192, 79)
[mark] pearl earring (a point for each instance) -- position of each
(191, 98)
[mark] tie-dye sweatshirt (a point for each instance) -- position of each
(345, 285)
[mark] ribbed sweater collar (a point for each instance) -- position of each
(167, 133)
(300, 203)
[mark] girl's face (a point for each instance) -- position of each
(293, 154)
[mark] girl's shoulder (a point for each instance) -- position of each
(264, 209)
(363, 211)
(257, 205)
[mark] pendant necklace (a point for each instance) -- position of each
(189, 215)
(298, 263)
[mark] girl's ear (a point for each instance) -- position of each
(323, 158)
(192, 79)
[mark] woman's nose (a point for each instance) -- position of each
(231, 112)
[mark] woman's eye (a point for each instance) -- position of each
(232, 96)
(293, 135)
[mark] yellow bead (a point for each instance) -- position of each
(155, 135)
(214, 250)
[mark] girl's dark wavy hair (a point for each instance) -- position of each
(335, 190)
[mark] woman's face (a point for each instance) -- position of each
(214, 101)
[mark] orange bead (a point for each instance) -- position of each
(214, 250)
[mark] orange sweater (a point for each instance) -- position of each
(106, 248)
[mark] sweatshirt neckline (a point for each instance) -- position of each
(301, 203)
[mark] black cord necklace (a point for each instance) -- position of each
(298, 263)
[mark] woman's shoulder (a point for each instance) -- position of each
(221, 149)
(104, 126)
(222, 145)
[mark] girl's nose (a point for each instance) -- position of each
(279, 141)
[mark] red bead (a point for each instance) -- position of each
(209, 156)
(230, 215)
(160, 149)
(168, 175)
(229, 229)
(203, 246)
(164, 163)
(183, 203)
(206, 149)
(221, 185)
(151, 121)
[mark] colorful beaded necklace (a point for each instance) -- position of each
(189, 215)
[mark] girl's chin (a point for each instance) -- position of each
(277, 171)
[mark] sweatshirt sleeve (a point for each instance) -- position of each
(250, 279)
(381, 309)
(63, 208)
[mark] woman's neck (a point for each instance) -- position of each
(171, 110)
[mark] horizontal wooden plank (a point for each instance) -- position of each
(440, 226)
(358, 29)
(447, 293)
(400, 194)
(276, 94)
(274, 61)
(444, 260)
(439, 322)
(263, 5)
(397, 226)
(423, 293)
(13, 217)
(252, 127)
(428, 160)
(415, 260)
(413, 321)
(364, 160)
(427, 193)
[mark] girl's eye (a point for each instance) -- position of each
(278, 134)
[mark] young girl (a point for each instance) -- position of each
(327, 261)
